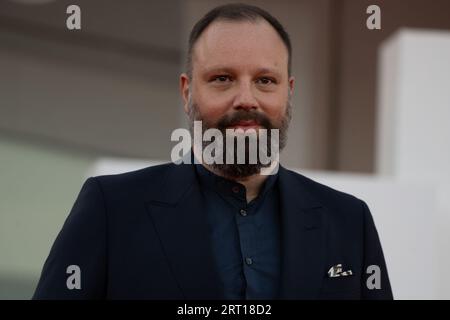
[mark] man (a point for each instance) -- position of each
(220, 230)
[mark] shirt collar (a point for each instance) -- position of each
(229, 187)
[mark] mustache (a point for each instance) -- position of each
(242, 115)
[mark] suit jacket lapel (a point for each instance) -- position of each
(302, 239)
(180, 222)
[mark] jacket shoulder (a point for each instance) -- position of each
(137, 182)
(328, 196)
(135, 176)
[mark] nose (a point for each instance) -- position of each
(245, 98)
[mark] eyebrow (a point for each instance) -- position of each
(231, 70)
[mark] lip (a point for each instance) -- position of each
(245, 125)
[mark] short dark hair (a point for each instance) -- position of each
(235, 12)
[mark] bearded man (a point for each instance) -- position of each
(221, 230)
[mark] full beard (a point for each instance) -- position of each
(237, 170)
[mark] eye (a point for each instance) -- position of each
(266, 81)
(221, 79)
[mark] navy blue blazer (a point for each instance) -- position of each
(144, 235)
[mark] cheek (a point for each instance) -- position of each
(274, 106)
(212, 106)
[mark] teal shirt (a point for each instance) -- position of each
(245, 236)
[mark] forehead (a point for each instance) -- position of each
(240, 45)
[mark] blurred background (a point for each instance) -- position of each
(371, 116)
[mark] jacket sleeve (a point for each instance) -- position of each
(76, 265)
(375, 279)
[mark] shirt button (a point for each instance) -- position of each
(248, 261)
(235, 189)
(243, 212)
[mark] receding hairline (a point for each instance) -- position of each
(253, 20)
(236, 12)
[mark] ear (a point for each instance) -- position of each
(184, 90)
(291, 85)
